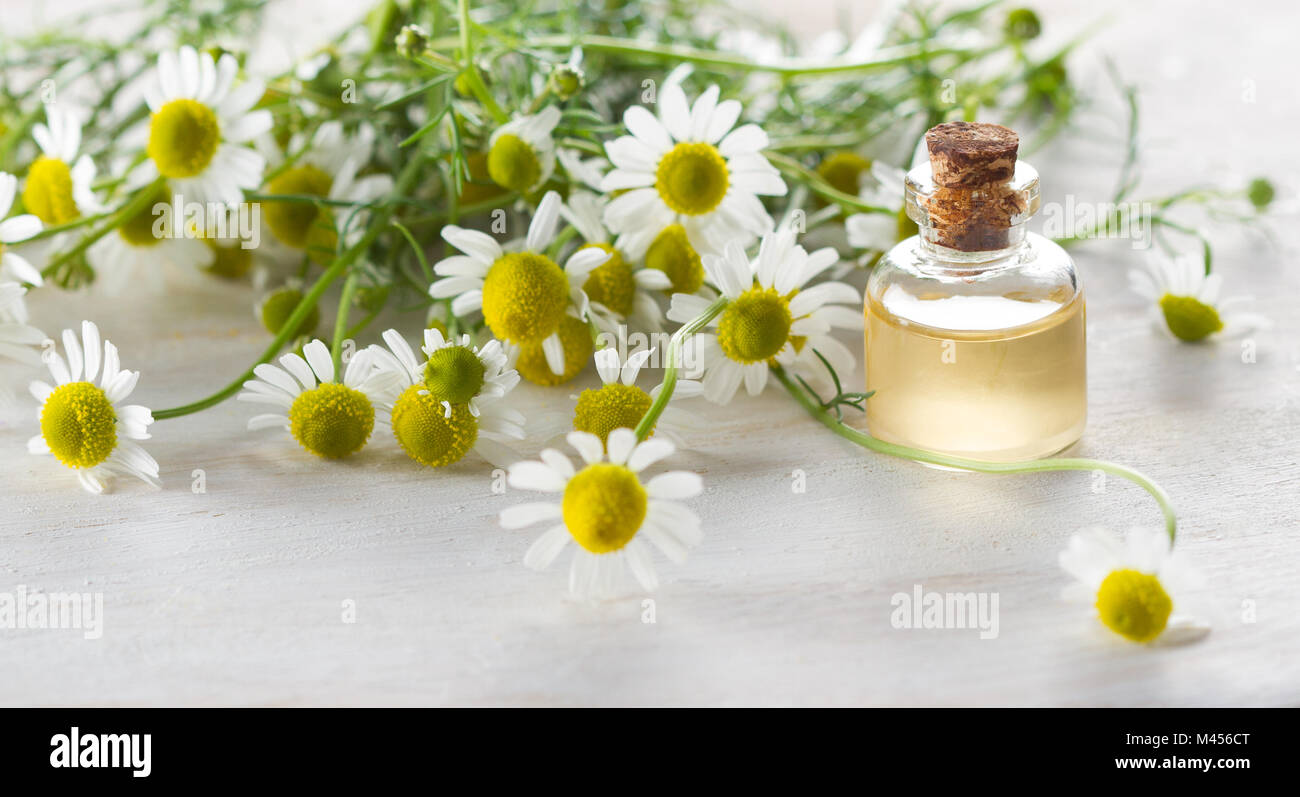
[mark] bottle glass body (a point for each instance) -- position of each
(977, 354)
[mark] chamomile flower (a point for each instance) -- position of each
(771, 317)
(881, 186)
(1187, 300)
(328, 418)
(606, 511)
(134, 258)
(18, 339)
(689, 167)
(619, 402)
(525, 296)
(58, 188)
(589, 172)
(449, 404)
(327, 169)
(521, 153)
(199, 127)
(1135, 585)
(620, 293)
(86, 426)
(19, 228)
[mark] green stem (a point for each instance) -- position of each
(59, 229)
(341, 322)
(671, 365)
(472, 77)
(1031, 466)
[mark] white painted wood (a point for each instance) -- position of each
(235, 596)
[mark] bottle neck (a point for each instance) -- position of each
(972, 228)
(936, 256)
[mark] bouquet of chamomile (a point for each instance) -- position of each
(540, 185)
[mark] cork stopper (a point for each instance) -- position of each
(971, 154)
(972, 202)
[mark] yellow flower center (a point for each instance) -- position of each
(611, 283)
(671, 252)
(229, 261)
(279, 305)
(603, 507)
(79, 425)
(524, 297)
(292, 222)
(138, 230)
(480, 187)
(48, 193)
(575, 335)
(513, 164)
(692, 178)
(332, 420)
(611, 407)
(1134, 605)
(1189, 318)
(754, 326)
(426, 434)
(454, 374)
(183, 138)
(844, 170)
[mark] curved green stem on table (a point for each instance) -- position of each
(823, 415)
(1028, 466)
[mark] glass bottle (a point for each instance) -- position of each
(975, 327)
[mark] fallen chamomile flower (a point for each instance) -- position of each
(1134, 585)
(58, 188)
(330, 419)
(86, 426)
(199, 127)
(449, 404)
(521, 153)
(607, 511)
(19, 228)
(619, 292)
(770, 318)
(689, 167)
(525, 296)
(1187, 300)
(619, 403)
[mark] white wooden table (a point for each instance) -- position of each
(236, 596)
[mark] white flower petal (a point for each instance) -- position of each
(529, 475)
(587, 445)
(546, 547)
(620, 443)
(318, 355)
